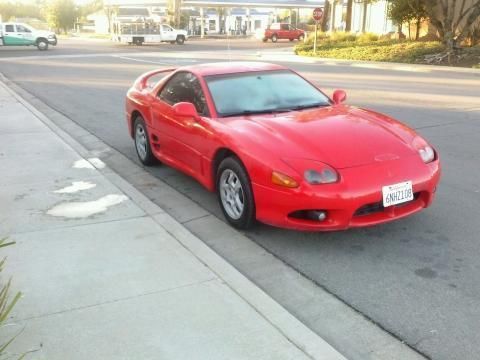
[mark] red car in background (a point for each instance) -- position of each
(278, 31)
(276, 149)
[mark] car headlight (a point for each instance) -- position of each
(427, 154)
(325, 176)
(314, 172)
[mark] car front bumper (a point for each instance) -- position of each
(355, 201)
(52, 40)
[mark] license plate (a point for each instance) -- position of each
(397, 193)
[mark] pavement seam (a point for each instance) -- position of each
(78, 225)
(113, 301)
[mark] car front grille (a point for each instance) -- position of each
(378, 207)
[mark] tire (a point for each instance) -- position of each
(301, 37)
(274, 38)
(180, 39)
(235, 194)
(265, 39)
(42, 44)
(172, 42)
(142, 142)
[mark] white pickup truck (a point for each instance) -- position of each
(18, 34)
(147, 32)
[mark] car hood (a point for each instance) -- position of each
(44, 33)
(341, 136)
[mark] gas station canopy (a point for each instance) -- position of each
(284, 4)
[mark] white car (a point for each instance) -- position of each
(19, 34)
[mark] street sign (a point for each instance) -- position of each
(318, 14)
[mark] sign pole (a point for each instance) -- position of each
(317, 16)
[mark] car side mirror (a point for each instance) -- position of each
(186, 109)
(339, 96)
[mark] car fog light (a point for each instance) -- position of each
(318, 215)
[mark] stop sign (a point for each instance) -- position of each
(318, 14)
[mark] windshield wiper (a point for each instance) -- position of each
(253, 112)
(308, 106)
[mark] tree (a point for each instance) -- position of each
(326, 16)
(402, 11)
(348, 18)
(9, 10)
(61, 14)
(174, 8)
(364, 13)
(453, 19)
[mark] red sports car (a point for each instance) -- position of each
(278, 150)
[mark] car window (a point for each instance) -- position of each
(21, 28)
(166, 28)
(256, 92)
(9, 28)
(184, 86)
(275, 26)
(285, 27)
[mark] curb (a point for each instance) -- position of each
(392, 65)
(289, 326)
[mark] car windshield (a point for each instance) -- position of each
(263, 92)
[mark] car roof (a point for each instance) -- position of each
(231, 67)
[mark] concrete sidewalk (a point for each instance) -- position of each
(107, 274)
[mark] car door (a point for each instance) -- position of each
(182, 139)
(26, 34)
(284, 31)
(10, 36)
(167, 33)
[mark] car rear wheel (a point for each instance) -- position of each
(180, 39)
(42, 44)
(142, 142)
(274, 38)
(235, 194)
(265, 39)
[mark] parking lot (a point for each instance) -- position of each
(416, 279)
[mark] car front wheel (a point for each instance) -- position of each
(235, 194)
(42, 44)
(142, 142)
(180, 39)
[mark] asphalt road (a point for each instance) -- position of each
(418, 277)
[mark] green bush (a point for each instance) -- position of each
(341, 36)
(6, 305)
(390, 50)
(367, 37)
(320, 36)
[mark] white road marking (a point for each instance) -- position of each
(99, 164)
(76, 187)
(85, 209)
(143, 61)
(82, 164)
(391, 67)
(91, 163)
